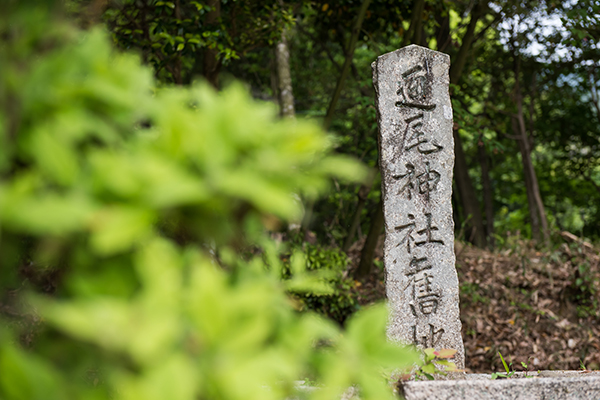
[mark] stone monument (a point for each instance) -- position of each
(416, 151)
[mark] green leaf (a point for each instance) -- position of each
(27, 377)
(137, 329)
(428, 368)
(429, 354)
(55, 157)
(503, 362)
(117, 228)
(46, 213)
(174, 378)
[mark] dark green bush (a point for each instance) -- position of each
(333, 262)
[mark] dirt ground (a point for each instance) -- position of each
(537, 308)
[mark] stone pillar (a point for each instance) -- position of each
(416, 157)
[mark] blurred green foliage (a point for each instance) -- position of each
(147, 209)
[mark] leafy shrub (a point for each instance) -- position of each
(145, 202)
(333, 262)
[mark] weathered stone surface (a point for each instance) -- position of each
(416, 150)
(562, 385)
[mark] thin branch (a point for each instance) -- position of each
(484, 30)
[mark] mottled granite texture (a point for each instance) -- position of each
(416, 150)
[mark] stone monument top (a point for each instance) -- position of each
(416, 158)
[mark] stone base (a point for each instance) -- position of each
(547, 385)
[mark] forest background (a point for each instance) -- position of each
(524, 89)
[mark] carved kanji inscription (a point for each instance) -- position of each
(426, 234)
(413, 87)
(424, 298)
(423, 183)
(415, 138)
(416, 161)
(428, 337)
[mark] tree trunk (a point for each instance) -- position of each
(535, 189)
(488, 203)
(284, 77)
(533, 212)
(413, 35)
(594, 91)
(212, 64)
(474, 231)
(466, 191)
(360, 204)
(459, 62)
(443, 30)
(308, 216)
(306, 221)
(457, 214)
(363, 193)
(347, 63)
(368, 251)
(534, 198)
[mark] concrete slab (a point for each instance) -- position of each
(546, 385)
